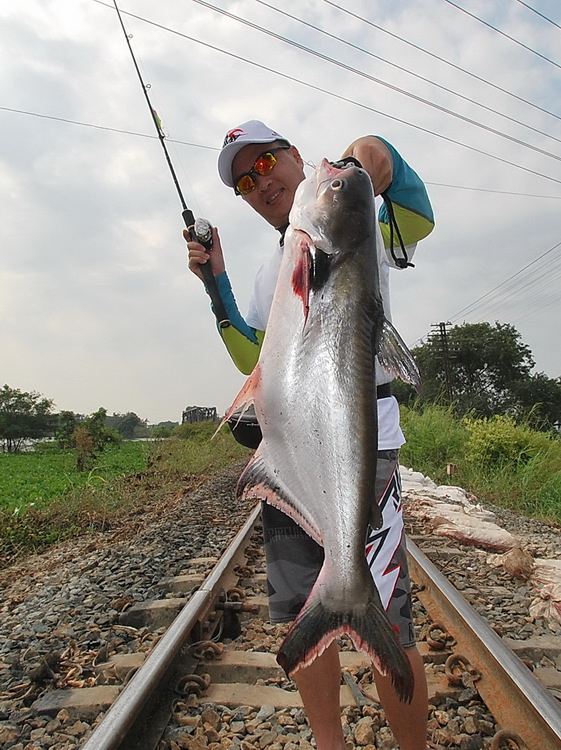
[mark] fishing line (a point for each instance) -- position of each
(199, 229)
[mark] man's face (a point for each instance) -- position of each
(273, 195)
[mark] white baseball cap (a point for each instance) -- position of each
(253, 131)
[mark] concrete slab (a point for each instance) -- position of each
(241, 694)
(184, 584)
(158, 613)
(82, 703)
(120, 665)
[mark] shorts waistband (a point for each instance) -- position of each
(384, 390)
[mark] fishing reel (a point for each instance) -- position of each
(201, 231)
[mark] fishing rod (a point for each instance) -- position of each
(200, 230)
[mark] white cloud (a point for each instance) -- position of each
(97, 305)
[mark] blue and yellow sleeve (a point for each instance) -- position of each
(411, 204)
(241, 340)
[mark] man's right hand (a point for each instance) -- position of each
(198, 255)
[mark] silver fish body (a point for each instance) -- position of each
(314, 394)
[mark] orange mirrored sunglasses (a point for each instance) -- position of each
(264, 165)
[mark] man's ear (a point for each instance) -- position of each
(296, 154)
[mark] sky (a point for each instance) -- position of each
(97, 305)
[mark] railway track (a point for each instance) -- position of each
(164, 698)
(158, 660)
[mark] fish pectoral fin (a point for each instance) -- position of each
(259, 482)
(245, 398)
(395, 357)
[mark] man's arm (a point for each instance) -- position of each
(241, 340)
(393, 177)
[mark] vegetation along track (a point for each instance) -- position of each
(105, 621)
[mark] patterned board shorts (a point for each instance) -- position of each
(294, 559)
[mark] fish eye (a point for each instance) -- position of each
(338, 184)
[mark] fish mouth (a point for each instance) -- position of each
(333, 175)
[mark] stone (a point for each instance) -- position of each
(8, 732)
(364, 731)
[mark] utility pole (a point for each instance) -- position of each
(439, 335)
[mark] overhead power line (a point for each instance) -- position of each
(491, 190)
(340, 97)
(520, 283)
(541, 15)
(502, 33)
(442, 59)
(102, 127)
(356, 71)
(405, 70)
(216, 148)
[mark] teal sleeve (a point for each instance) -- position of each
(410, 199)
(241, 340)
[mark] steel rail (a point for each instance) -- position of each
(120, 718)
(517, 700)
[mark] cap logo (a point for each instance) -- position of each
(232, 136)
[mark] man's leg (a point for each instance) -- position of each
(408, 721)
(387, 558)
(293, 563)
(319, 688)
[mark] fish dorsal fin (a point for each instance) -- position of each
(395, 358)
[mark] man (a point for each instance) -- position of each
(265, 170)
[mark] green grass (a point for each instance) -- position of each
(44, 499)
(498, 460)
(39, 477)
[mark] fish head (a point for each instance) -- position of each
(335, 208)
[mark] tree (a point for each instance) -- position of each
(128, 425)
(87, 435)
(485, 363)
(23, 416)
(90, 437)
(538, 399)
(67, 422)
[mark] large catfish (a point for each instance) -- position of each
(314, 393)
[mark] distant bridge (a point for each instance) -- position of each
(199, 414)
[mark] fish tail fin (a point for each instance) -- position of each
(395, 357)
(317, 626)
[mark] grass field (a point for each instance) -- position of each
(496, 459)
(44, 499)
(39, 477)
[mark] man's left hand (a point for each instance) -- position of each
(375, 157)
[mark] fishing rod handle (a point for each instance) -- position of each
(201, 231)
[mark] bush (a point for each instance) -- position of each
(497, 459)
(198, 432)
(435, 438)
(498, 440)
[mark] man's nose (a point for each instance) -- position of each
(262, 181)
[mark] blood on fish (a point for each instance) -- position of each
(301, 276)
